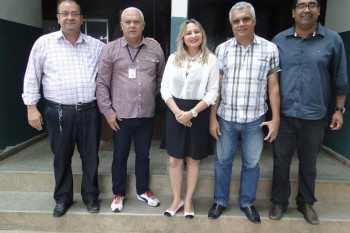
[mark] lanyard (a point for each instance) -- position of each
(137, 53)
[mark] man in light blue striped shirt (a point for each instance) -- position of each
(249, 67)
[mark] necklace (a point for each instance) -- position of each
(192, 59)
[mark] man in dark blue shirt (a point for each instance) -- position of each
(313, 64)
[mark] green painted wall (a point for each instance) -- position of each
(16, 41)
(175, 26)
(339, 141)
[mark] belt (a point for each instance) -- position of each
(77, 107)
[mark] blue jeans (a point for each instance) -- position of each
(141, 129)
(252, 139)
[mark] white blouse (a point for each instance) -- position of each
(201, 82)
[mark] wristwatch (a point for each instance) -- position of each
(342, 110)
(194, 113)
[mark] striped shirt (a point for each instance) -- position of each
(125, 95)
(67, 72)
(244, 78)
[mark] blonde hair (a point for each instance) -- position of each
(181, 54)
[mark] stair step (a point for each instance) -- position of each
(24, 210)
(31, 171)
(160, 185)
(27, 182)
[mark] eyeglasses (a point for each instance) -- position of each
(74, 14)
(244, 20)
(311, 6)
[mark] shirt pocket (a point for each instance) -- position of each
(148, 65)
(260, 68)
(89, 64)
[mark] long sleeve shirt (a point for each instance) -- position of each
(66, 72)
(313, 68)
(201, 82)
(129, 79)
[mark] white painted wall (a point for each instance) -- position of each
(179, 8)
(26, 12)
(337, 15)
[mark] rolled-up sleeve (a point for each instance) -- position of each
(33, 74)
(212, 88)
(165, 89)
(339, 75)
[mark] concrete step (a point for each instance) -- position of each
(21, 211)
(26, 203)
(31, 170)
(160, 185)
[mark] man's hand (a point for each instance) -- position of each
(337, 121)
(273, 127)
(113, 122)
(152, 39)
(35, 119)
(214, 128)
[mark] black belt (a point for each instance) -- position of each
(77, 107)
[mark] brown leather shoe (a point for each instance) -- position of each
(309, 213)
(276, 212)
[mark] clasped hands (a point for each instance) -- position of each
(184, 118)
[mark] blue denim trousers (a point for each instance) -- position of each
(252, 140)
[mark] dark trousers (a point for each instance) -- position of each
(304, 136)
(141, 129)
(81, 128)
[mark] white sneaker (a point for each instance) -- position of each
(117, 204)
(149, 198)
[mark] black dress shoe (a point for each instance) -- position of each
(309, 213)
(251, 214)
(215, 211)
(93, 206)
(276, 212)
(60, 209)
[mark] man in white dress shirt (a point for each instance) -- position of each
(65, 63)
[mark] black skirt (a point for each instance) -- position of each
(181, 141)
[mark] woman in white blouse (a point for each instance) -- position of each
(190, 85)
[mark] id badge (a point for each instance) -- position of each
(132, 72)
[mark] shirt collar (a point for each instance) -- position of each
(125, 43)
(82, 37)
(319, 31)
(256, 40)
